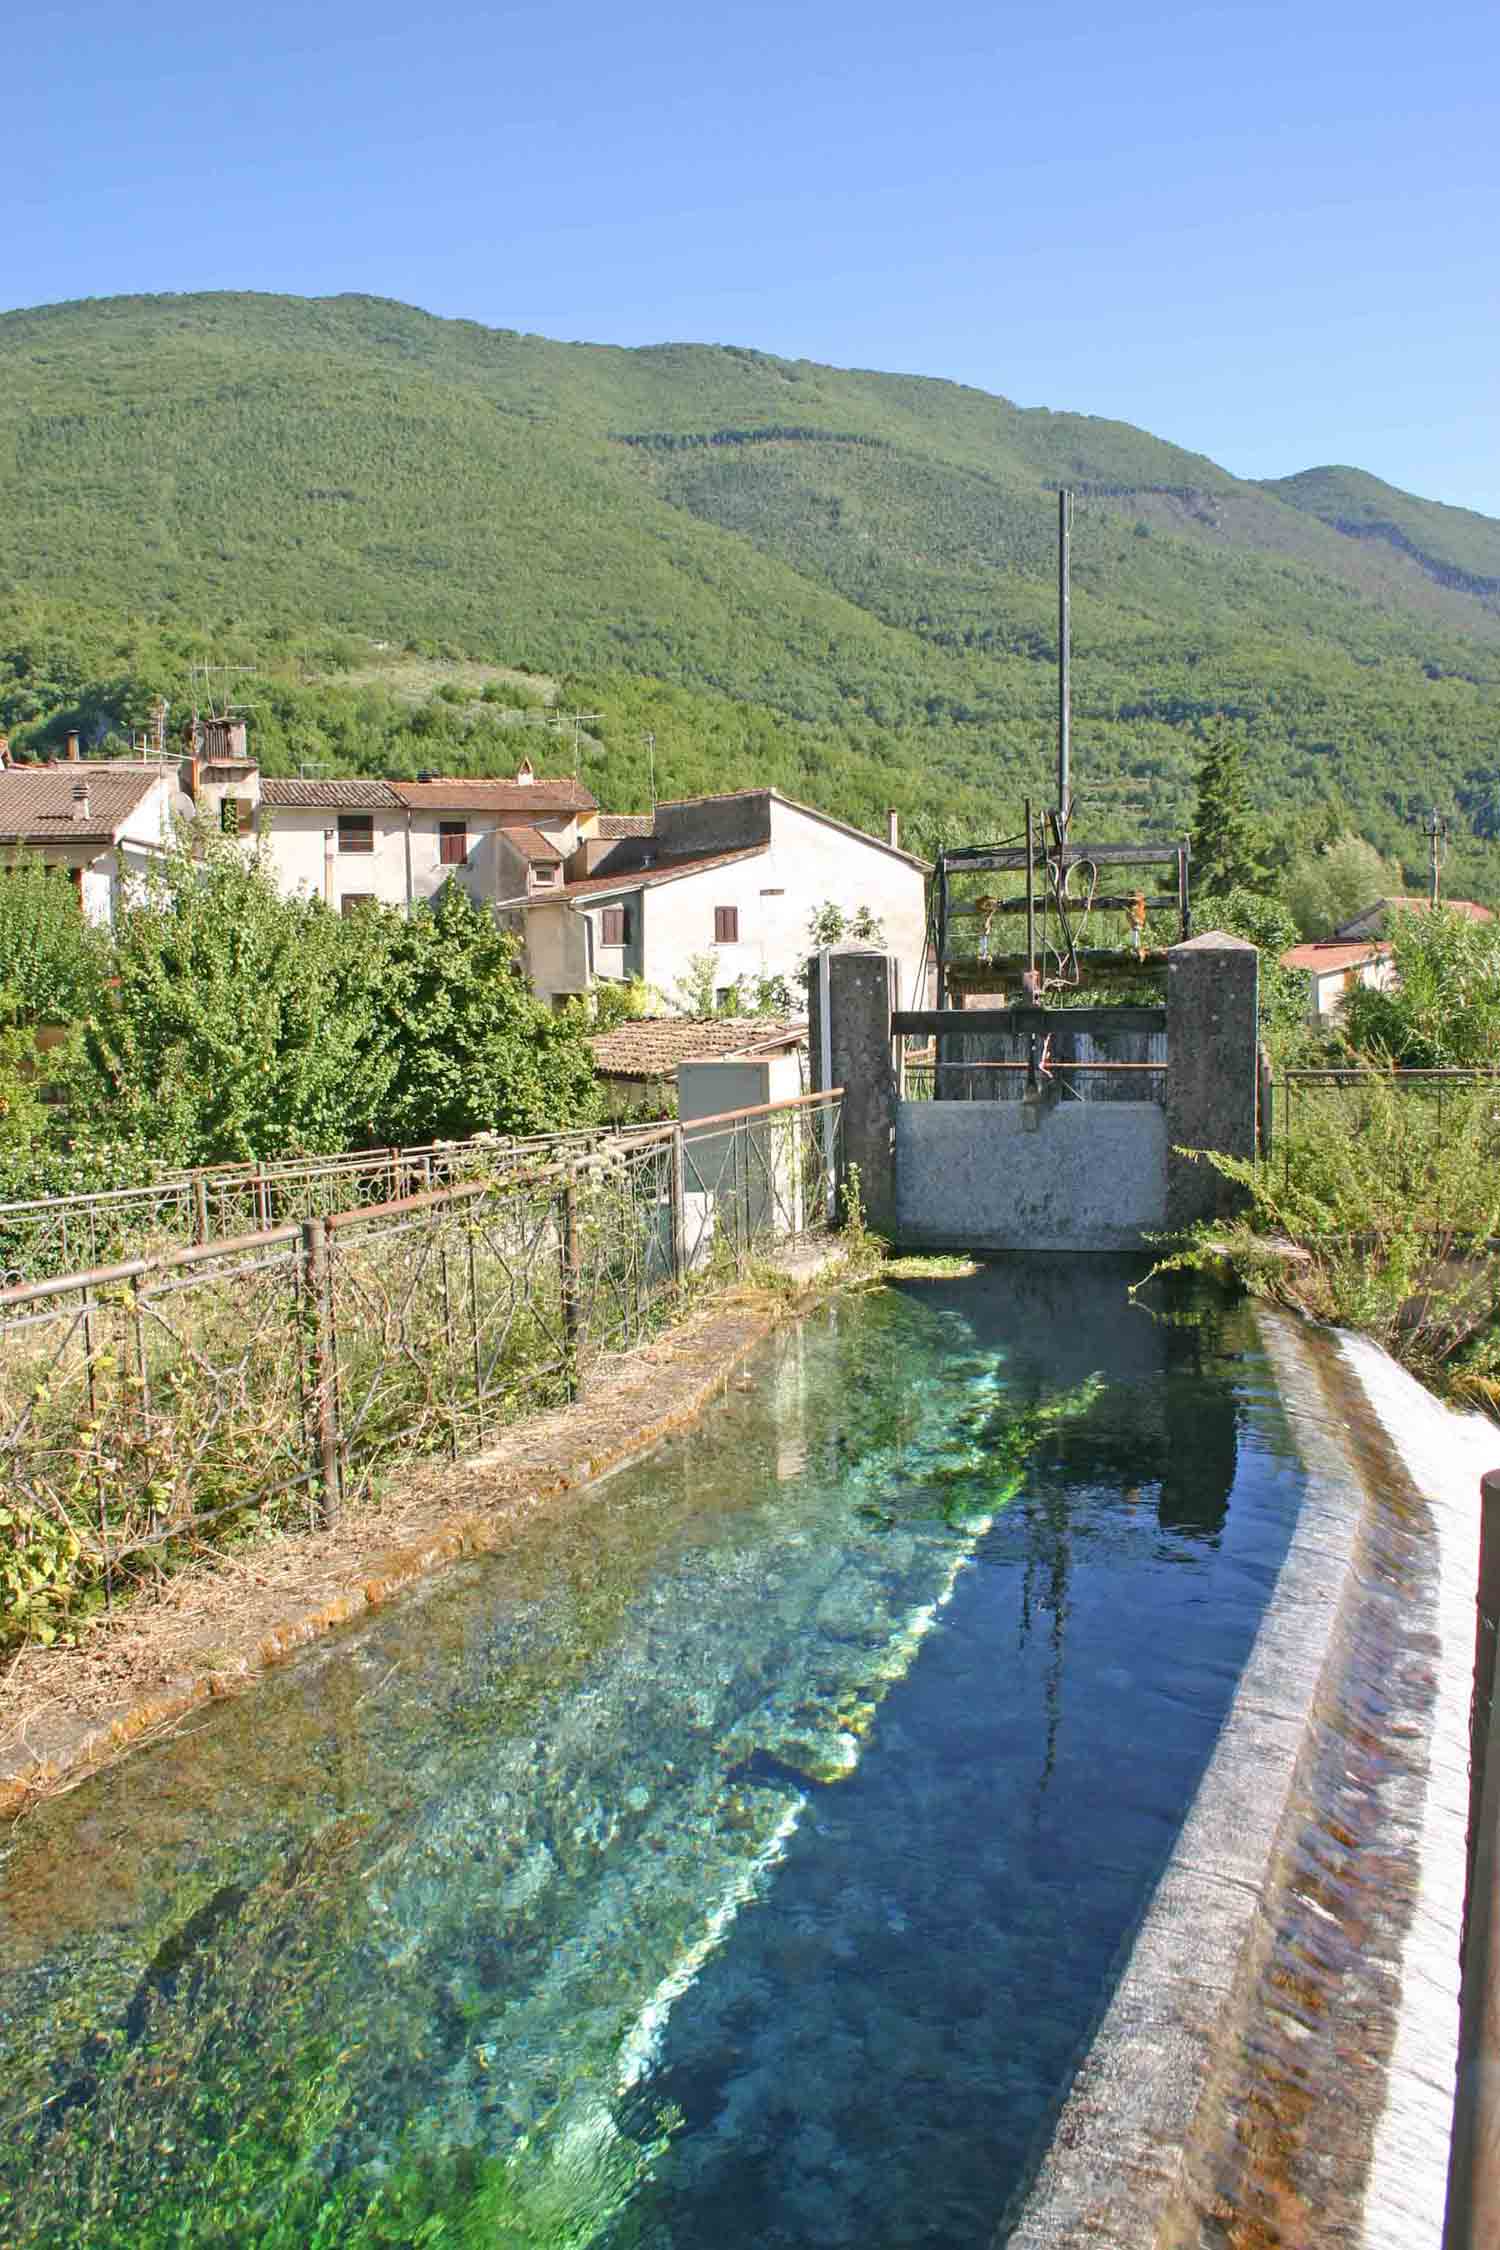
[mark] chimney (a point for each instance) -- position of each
(893, 829)
(525, 773)
(80, 797)
(72, 746)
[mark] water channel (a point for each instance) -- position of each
(742, 1857)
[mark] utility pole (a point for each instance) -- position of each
(1064, 659)
(1435, 829)
(650, 742)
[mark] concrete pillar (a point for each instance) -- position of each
(854, 1013)
(1213, 991)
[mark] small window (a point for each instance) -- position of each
(726, 925)
(614, 926)
(453, 842)
(545, 878)
(355, 902)
(356, 832)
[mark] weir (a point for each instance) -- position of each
(1033, 1137)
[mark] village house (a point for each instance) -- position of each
(1359, 953)
(104, 825)
(731, 880)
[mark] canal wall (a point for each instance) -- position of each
(1277, 2062)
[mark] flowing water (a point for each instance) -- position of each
(744, 1856)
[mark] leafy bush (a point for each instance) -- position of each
(1443, 1007)
(52, 961)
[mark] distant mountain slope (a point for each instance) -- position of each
(1453, 545)
(865, 558)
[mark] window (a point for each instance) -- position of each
(355, 902)
(545, 878)
(234, 815)
(356, 832)
(614, 926)
(726, 925)
(453, 842)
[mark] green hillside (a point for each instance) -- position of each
(837, 580)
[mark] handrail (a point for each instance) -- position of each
(550, 1175)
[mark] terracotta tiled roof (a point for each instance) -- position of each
(613, 824)
(362, 793)
(665, 871)
(36, 803)
(1334, 953)
(655, 1046)
(1469, 908)
(532, 844)
(460, 794)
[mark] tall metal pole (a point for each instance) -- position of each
(1064, 659)
(1030, 912)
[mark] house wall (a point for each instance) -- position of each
(296, 845)
(1326, 990)
(139, 844)
(491, 871)
(777, 893)
(714, 824)
(557, 956)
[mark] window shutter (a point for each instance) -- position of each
(726, 925)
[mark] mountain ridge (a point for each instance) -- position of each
(862, 559)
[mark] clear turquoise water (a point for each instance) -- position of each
(743, 1857)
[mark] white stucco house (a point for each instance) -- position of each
(734, 878)
(106, 825)
(396, 843)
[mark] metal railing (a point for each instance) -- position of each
(60, 1234)
(1308, 1105)
(1006, 1081)
(163, 1402)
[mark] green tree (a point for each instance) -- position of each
(1229, 845)
(471, 1049)
(242, 1024)
(53, 961)
(1268, 926)
(1443, 1006)
(1330, 886)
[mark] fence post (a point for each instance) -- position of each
(678, 1200)
(317, 1279)
(570, 1284)
(262, 1196)
(200, 1208)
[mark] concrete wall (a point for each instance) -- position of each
(1213, 992)
(746, 1184)
(1001, 1176)
(714, 824)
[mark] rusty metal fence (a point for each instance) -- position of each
(159, 1404)
(43, 1236)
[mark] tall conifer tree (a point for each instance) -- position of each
(1229, 844)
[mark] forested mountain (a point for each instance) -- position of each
(837, 580)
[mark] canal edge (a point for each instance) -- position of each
(1157, 2121)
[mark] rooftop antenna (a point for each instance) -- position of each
(650, 742)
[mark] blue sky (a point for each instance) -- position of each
(1265, 231)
